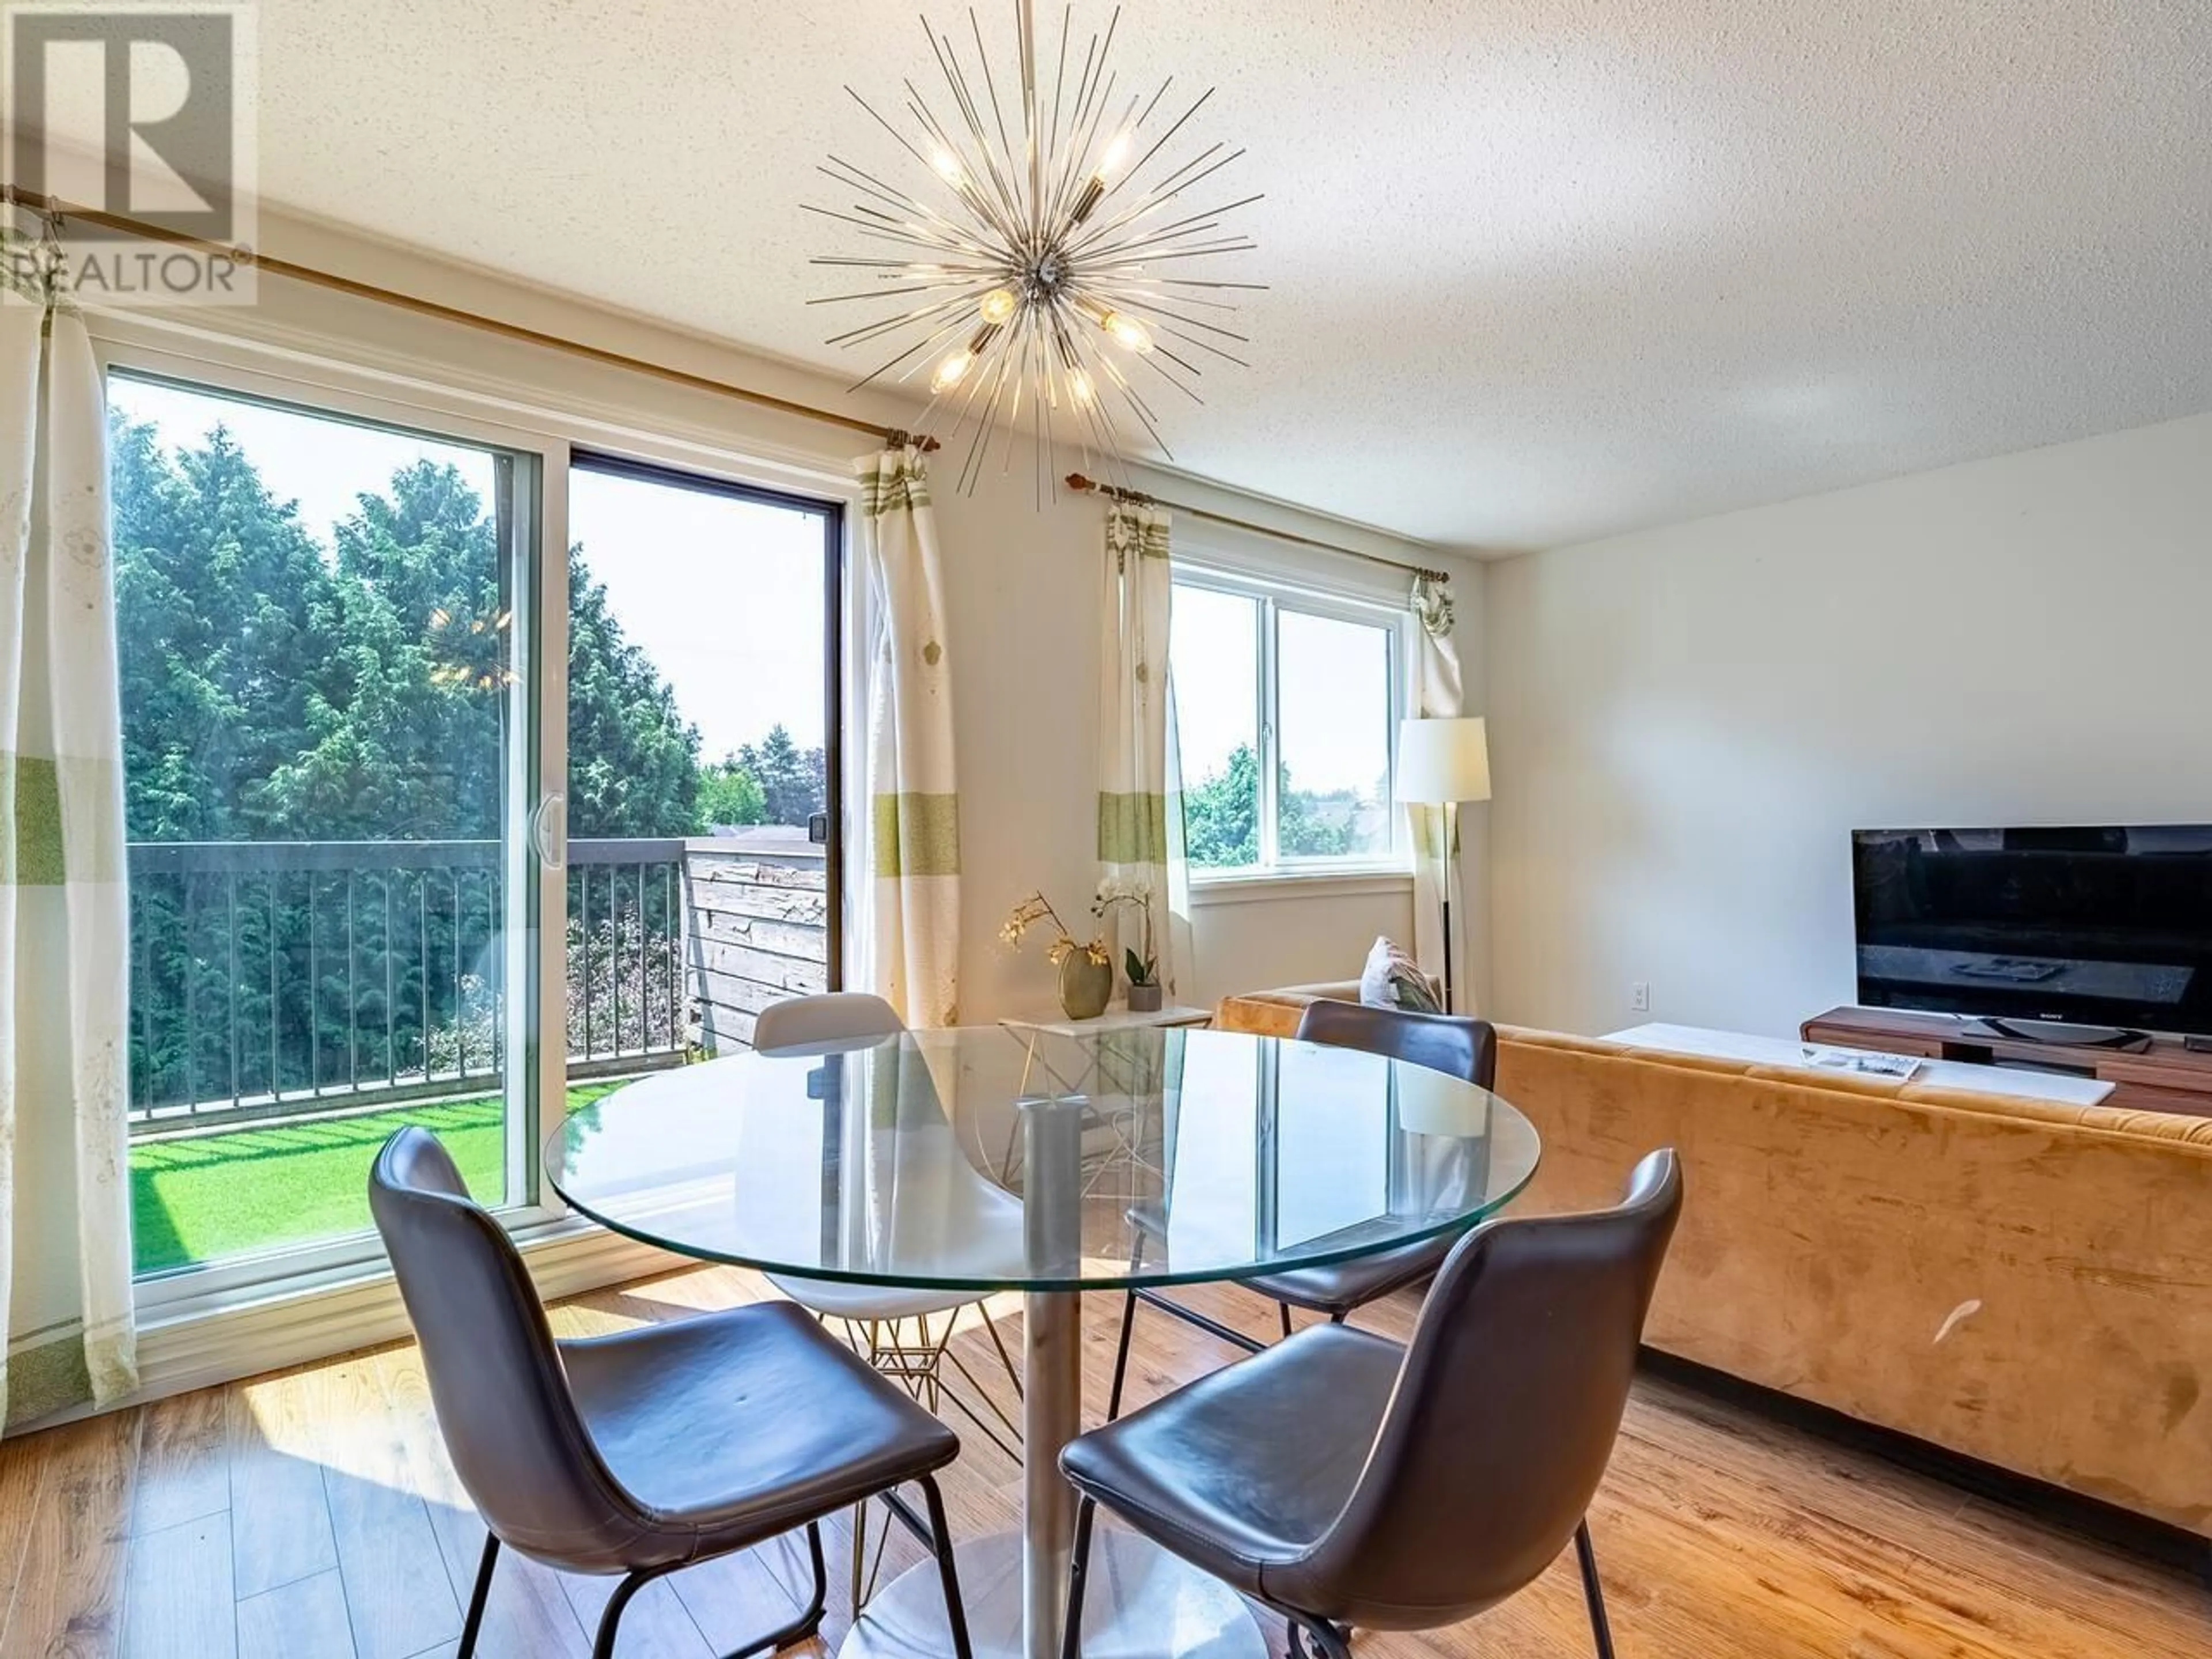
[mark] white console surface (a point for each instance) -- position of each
(1943, 1074)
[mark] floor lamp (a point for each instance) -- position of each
(1441, 762)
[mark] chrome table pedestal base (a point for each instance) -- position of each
(1142, 1603)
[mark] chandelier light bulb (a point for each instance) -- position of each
(1126, 332)
(1115, 158)
(998, 306)
(953, 370)
(1094, 188)
(948, 167)
(1079, 387)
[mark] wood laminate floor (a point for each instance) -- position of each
(312, 1515)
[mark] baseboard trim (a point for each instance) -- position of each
(2053, 1506)
(202, 1351)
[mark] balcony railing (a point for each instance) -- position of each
(290, 977)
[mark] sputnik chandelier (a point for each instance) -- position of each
(1048, 267)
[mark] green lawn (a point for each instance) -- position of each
(217, 1195)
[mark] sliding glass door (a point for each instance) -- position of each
(703, 859)
(327, 749)
(428, 824)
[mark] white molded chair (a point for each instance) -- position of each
(826, 1024)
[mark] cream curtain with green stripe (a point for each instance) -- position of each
(1437, 695)
(1141, 845)
(64, 928)
(911, 933)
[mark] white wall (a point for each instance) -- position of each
(1687, 722)
(1024, 587)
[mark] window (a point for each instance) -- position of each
(323, 723)
(1286, 704)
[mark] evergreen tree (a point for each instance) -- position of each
(729, 797)
(221, 602)
(274, 690)
(1315, 823)
(1221, 816)
(792, 780)
(633, 759)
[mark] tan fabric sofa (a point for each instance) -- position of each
(2027, 1283)
(1276, 1013)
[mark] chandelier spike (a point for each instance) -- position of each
(1032, 261)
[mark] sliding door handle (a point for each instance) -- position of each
(548, 831)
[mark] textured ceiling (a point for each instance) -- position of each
(1542, 268)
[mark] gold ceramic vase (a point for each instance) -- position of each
(1085, 986)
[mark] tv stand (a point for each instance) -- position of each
(2062, 1034)
(2158, 1074)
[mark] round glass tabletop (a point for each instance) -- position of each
(991, 1158)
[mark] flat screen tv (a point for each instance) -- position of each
(2105, 926)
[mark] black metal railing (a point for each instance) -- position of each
(628, 913)
(270, 977)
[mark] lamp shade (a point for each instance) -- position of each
(1443, 760)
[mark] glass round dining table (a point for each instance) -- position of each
(1016, 1158)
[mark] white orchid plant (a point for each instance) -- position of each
(1116, 892)
(1036, 908)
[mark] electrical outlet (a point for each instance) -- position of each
(1639, 998)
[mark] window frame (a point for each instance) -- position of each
(1272, 597)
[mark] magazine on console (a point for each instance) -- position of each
(1860, 1062)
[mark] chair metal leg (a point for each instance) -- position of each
(809, 1621)
(474, 1622)
(1593, 1592)
(1328, 1641)
(1212, 1327)
(1005, 1358)
(602, 1647)
(919, 1367)
(1079, 1578)
(1009, 1442)
(860, 1556)
(1121, 1356)
(1284, 1309)
(799, 1629)
(955, 1610)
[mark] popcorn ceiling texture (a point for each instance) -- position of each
(1543, 269)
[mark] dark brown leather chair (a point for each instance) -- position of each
(1344, 1480)
(649, 1450)
(1451, 1043)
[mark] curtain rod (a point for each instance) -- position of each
(53, 207)
(1115, 492)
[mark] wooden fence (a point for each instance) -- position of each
(758, 911)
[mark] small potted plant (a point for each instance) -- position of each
(1086, 971)
(1141, 964)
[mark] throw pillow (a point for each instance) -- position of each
(1392, 979)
